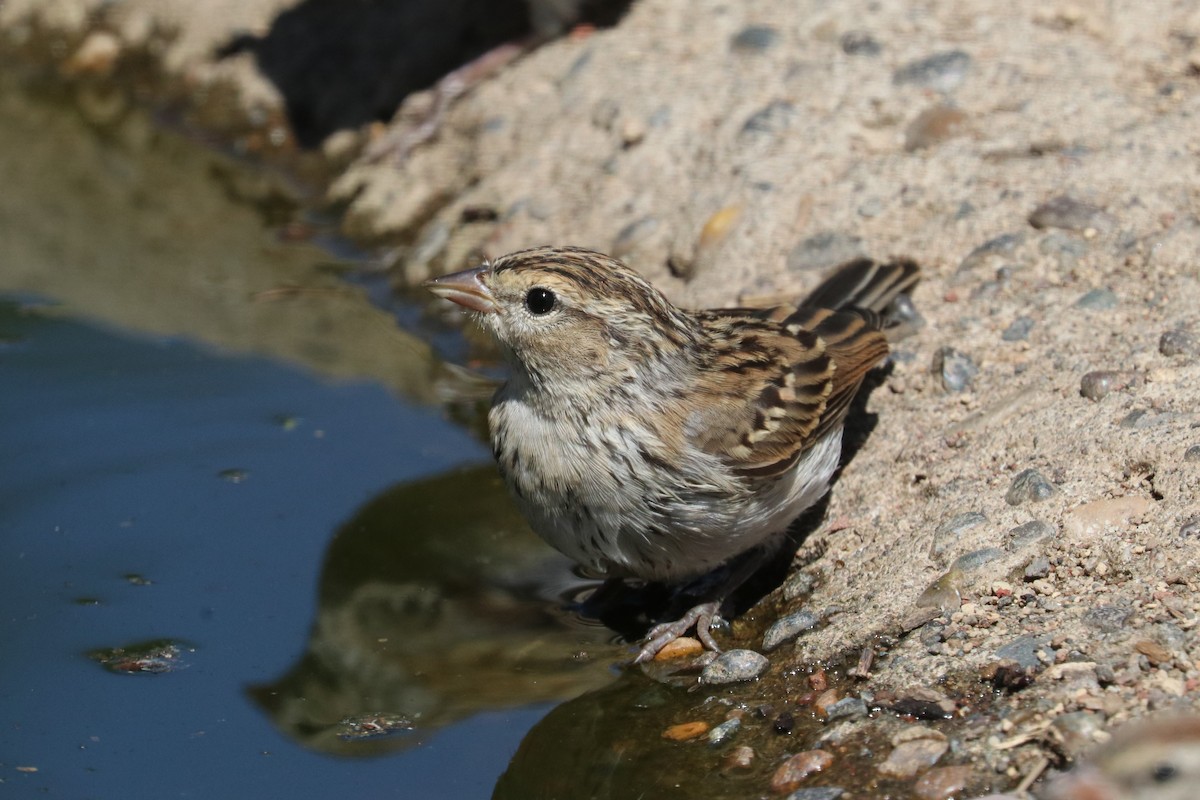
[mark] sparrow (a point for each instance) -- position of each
(647, 441)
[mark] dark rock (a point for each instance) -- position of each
(735, 666)
(1179, 343)
(725, 731)
(1037, 568)
(771, 121)
(789, 627)
(942, 72)
(1023, 650)
(955, 369)
(1028, 486)
(860, 43)
(784, 723)
(1028, 533)
(1107, 618)
(754, 39)
(1018, 330)
(1007, 675)
(1097, 300)
(969, 562)
(1070, 214)
(824, 250)
(923, 703)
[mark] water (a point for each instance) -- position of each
(210, 438)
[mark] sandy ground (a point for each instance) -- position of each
(1040, 162)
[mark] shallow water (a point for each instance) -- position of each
(214, 442)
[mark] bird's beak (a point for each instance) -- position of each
(465, 288)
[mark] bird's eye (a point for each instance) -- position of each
(540, 301)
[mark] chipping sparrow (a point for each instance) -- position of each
(647, 441)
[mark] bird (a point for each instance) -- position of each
(648, 441)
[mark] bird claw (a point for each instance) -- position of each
(701, 616)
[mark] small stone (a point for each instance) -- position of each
(955, 369)
(944, 593)
(1179, 343)
(920, 702)
(789, 627)
(933, 126)
(799, 585)
(1100, 514)
(942, 783)
(817, 793)
(846, 708)
(1192, 453)
(946, 535)
(860, 43)
(942, 72)
(825, 701)
(1099, 383)
(824, 250)
(1037, 568)
(739, 759)
(1070, 214)
(1007, 675)
(969, 562)
(1140, 419)
(1028, 533)
(1153, 651)
(791, 773)
(724, 731)
(909, 758)
(1028, 486)
(1097, 300)
(1018, 330)
(734, 666)
(1107, 618)
(1023, 650)
(871, 208)
(770, 121)
(754, 39)
(682, 647)
(685, 730)
(1190, 528)
(1003, 245)
(784, 723)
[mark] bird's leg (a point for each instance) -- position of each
(704, 614)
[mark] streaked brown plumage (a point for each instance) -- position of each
(644, 440)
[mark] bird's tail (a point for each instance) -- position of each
(865, 284)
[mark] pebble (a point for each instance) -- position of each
(770, 121)
(634, 234)
(754, 39)
(734, 666)
(1018, 330)
(723, 732)
(1024, 650)
(942, 783)
(934, 126)
(1192, 453)
(921, 702)
(949, 532)
(1097, 300)
(969, 562)
(784, 723)
(1029, 485)
(789, 627)
(1007, 675)
(944, 594)
(1107, 618)
(1099, 383)
(1179, 343)
(1002, 245)
(846, 708)
(739, 759)
(956, 369)
(682, 647)
(1037, 568)
(1140, 419)
(817, 793)
(824, 250)
(791, 773)
(1028, 533)
(825, 701)
(860, 43)
(1153, 651)
(942, 72)
(1099, 514)
(909, 758)
(1190, 528)
(685, 730)
(1070, 214)
(799, 585)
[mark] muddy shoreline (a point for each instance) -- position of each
(1030, 493)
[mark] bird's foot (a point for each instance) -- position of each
(701, 616)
